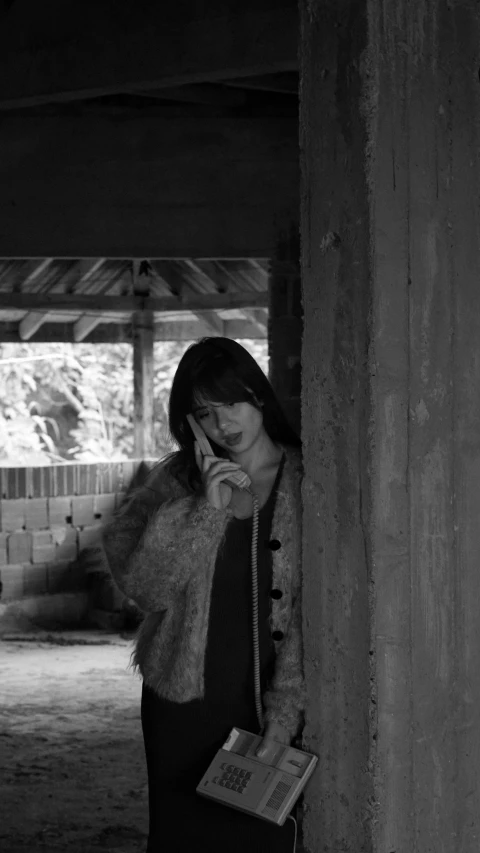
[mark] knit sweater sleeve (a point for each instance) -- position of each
(156, 542)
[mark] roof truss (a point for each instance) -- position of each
(40, 298)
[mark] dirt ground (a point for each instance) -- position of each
(72, 769)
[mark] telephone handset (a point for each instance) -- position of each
(237, 479)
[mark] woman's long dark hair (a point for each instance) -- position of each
(221, 371)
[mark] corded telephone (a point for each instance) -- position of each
(237, 478)
(236, 777)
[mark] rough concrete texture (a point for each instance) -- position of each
(426, 333)
(335, 416)
(73, 775)
(390, 113)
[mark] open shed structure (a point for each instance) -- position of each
(95, 300)
(116, 300)
(169, 134)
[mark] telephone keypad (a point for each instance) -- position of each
(233, 778)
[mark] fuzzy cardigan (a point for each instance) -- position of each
(162, 546)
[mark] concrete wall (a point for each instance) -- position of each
(50, 526)
(391, 424)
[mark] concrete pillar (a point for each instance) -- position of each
(390, 135)
(285, 320)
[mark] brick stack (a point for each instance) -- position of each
(51, 517)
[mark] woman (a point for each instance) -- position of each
(180, 547)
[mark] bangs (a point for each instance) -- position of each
(222, 385)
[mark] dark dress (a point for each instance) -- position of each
(182, 738)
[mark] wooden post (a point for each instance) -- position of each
(142, 333)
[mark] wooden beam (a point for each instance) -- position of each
(88, 270)
(170, 330)
(253, 278)
(286, 83)
(84, 326)
(180, 282)
(201, 93)
(143, 397)
(257, 316)
(217, 276)
(30, 323)
(39, 268)
(109, 51)
(146, 187)
(213, 321)
(115, 304)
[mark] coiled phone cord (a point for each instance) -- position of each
(256, 642)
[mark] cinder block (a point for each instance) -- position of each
(43, 546)
(89, 537)
(82, 510)
(43, 554)
(104, 507)
(41, 538)
(59, 510)
(36, 514)
(12, 514)
(65, 539)
(11, 580)
(35, 580)
(57, 576)
(3, 549)
(19, 548)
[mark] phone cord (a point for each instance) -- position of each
(256, 641)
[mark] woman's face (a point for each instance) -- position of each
(233, 426)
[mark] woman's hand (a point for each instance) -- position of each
(275, 733)
(214, 471)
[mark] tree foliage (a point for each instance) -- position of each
(64, 402)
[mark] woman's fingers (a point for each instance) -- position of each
(214, 472)
(213, 466)
(275, 734)
(198, 455)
